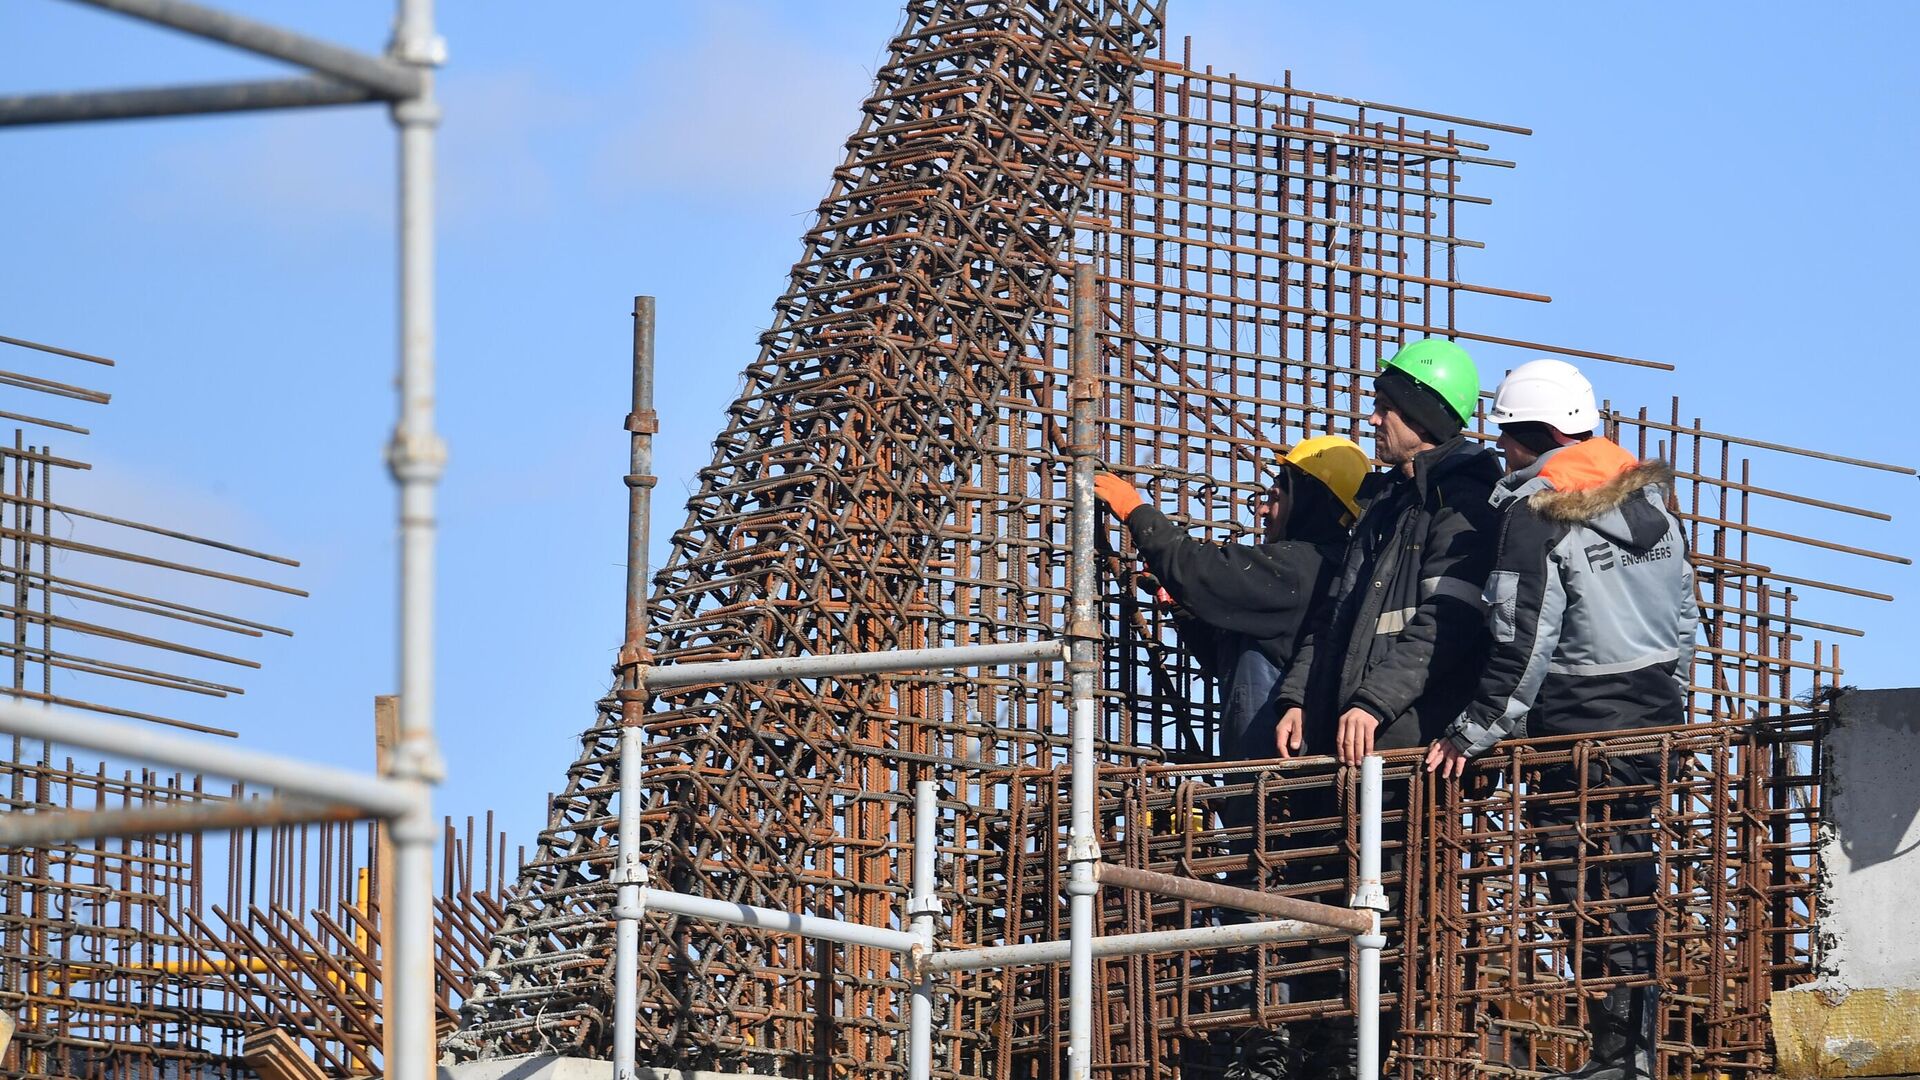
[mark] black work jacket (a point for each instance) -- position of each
(1404, 635)
(1242, 607)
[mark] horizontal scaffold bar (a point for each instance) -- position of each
(1157, 941)
(860, 663)
(1345, 920)
(374, 796)
(760, 918)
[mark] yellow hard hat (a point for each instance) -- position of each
(1336, 461)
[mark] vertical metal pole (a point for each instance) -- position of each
(1370, 895)
(386, 736)
(416, 457)
(922, 906)
(628, 871)
(1083, 632)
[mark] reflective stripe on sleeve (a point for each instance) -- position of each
(1454, 587)
(1392, 622)
(1664, 656)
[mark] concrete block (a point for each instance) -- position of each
(1821, 1034)
(1869, 867)
(1862, 1016)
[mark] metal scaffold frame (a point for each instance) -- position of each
(922, 959)
(403, 79)
(896, 473)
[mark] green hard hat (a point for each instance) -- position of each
(1446, 369)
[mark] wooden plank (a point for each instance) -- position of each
(273, 1055)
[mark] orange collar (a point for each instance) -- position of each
(1586, 465)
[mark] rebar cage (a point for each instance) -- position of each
(158, 957)
(893, 476)
(1724, 824)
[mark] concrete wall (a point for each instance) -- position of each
(1861, 1018)
(1870, 852)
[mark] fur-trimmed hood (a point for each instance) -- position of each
(1585, 504)
(1596, 484)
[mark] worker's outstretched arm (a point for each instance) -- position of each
(1260, 591)
(1526, 597)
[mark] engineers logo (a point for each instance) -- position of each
(1600, 556)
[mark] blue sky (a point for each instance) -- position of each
(1722, 188)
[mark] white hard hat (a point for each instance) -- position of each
(1551, 392)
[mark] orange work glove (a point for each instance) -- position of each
(1120, 496)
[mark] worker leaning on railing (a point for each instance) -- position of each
(1391, 657)
(1592, 611)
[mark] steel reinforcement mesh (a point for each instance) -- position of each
(893, 476)
(156, 957)
(1722, 815)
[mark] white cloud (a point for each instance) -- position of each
(321, 171)
(747, 109)
(311, 171)
(495, 149)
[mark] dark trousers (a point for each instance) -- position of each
(1616, 826)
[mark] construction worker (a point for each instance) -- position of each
(1392, 657)
(1393, 660)
(1592, 612)
(1240, 606)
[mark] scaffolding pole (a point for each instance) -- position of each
(1370, 897)
(1083, 635)
(628, 871)
(829, 665)
(922, 906)
(415, 455)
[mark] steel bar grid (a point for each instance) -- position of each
(894, 476)
(108, 618)
(1732, 902)
(849, 509)
(1732, 840)
(152, 957)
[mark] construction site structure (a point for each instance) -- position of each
(107, 950)
(167, 953)
(895, 476)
